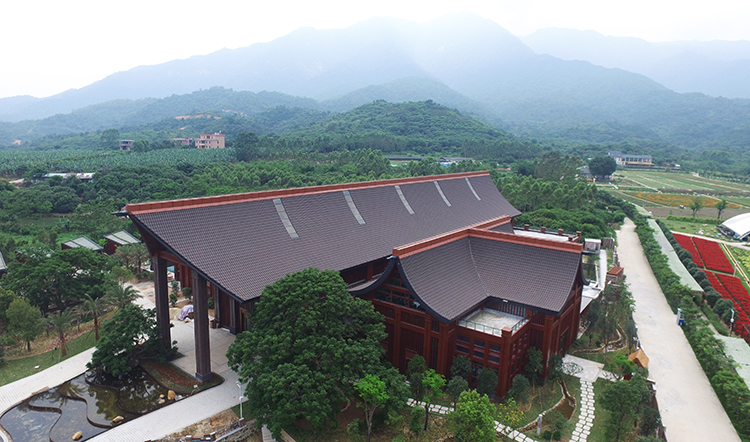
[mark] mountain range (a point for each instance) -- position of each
(551, 83)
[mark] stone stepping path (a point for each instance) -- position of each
(586, 418)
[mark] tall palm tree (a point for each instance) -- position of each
(140, 255)
(95, 307)
(122, 295)
(60, 322)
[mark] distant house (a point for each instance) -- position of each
(628, 160)
(182, 141)
(118, 239)
(85, 177)
(126, 144)
(447, 161)
(82, 241)
(210, 141)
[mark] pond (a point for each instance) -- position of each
(88, 403)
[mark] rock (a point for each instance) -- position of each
(78, 435)
(117, 419)
(161, 401)
(170, 395)
(161, 396)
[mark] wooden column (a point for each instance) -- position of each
(234, 316)
(202, 341)
(397, 341)
(506, 354)
(161, 298)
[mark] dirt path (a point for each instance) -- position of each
(689, 407)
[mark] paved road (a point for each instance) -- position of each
(689, 407)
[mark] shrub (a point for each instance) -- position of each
(416, 423)
(354, 430)
(557, 435)
(211, 302)
(187, 293)
(722, 306)
(519, 389)
(487, 382)
(172, 299)
(712, 296)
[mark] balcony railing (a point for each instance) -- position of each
(488, 329)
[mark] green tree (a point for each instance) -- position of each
(508, 413)
(602, 166)
(121, 295)
(622, 399)
(487, 382)
(455, 387)
(732, 391)
(141, 146)
(474, 418)
(130, 334)
(555, 365)
(110, 139)
(696, 205)
(461, 366)
(519, 389)
(534, 367)
(6, 297)
(373, 393)
(310, 340)
(415, 371)
(24, 321)
(96, 307)
(721, 206)
(60, 322)
(59, 278)
(432, 382)
(246, 147)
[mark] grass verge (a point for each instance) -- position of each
(16, 369)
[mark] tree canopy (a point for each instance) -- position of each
(602, 166)
(308, 342)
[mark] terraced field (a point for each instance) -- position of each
(674, 180)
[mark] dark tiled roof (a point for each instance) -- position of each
(240, 242)
(452, 278)
(83, 241)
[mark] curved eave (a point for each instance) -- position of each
(414, 293)
(378, 282)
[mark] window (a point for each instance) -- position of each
(462, 349)
(494, 359)
(479, 343)
(494, 347)
(479, 354)
(462, 338)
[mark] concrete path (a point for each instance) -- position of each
(159, 423)
(738, 349)
(689, 407)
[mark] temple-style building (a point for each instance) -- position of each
(437, 256)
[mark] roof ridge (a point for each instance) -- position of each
(479, 275)
(207, 201)
(438, 240)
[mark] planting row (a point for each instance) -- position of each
(733, 289)
(712, 254)
(686, 242)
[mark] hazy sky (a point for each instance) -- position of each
(51, 45)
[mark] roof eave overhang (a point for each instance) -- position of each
(382, 278)
(192, 266)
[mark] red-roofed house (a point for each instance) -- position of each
(437, 256)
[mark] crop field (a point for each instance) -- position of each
(14, 163)
(675, 200)
(656, 180)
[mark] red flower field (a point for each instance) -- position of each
(687, 243)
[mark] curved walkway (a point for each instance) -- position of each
(689, 407)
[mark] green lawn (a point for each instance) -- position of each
(17, 369)
(689, 227)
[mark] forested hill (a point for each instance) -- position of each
(121, 114)
(424, 127)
